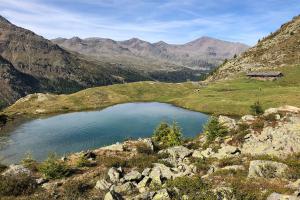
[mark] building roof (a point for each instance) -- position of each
(265, 74)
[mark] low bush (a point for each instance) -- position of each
(258, 125)
(144, 149)
(240, 133)
(168, 135)
(75, 190)
(213, 129)
(29, 162)
(53, 168)
(17, 185)
(82, 161)
(256, 108)
(194, 187)
(2, 167)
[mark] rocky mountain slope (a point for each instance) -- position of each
(51, 68)
(279, 49)
(257, 158)
(202, 54)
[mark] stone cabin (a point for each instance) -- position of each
(272, 75)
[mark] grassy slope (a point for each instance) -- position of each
(227, 97)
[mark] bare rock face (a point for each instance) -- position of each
(266, 169)
(282, 140)
(15, 170)
(227, 122)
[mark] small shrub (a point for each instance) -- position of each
(168, 135)
(258, 124)
(240, 133)
(144, 149)
(53, 168)
(29, 162)
(112, 161)
(2, 167)
(194, 187)
(82, 161)
(230, 161)
(17, 185)
(214, 129)
(256, 108)
(75, 190)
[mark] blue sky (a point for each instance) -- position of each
(173, 21)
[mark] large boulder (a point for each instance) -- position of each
(286, 108)
(133, 176)
(276, 196)
(14, 170)
(114, 147)
(143, 184)
(127, 188)
(227, 151)
(115, 174)
(162, 195)
(177, 152)
(112, 195)
(229, 123)
(266, 169)
(103, 185)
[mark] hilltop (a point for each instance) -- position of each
(279, 49)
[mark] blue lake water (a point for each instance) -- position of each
(79, 131)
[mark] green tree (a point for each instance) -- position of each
(213, 129)
(256, 108)
(53, 168)
(168, 135)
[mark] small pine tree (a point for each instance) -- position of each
(168, 135)
(256, 108)
(214, 129)
(235, 56)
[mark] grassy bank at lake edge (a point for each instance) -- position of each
(231, 97)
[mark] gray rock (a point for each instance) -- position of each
(197, 154)
(146, 172)
(248, 118)
(162, 195)
(103, 185)
(41, 181)
(177, 152)
(16, 170)
(133, 176)
(114, 174)
(143, 184)
(127, 188)
(144, 196)
(227, 122)
(112, 195)
(165, 172)
(234, 167)
(114, 147)
(276, 196)
(266, 169)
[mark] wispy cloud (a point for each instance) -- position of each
(174, 21)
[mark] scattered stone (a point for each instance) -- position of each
(90, 155)
(164, 171)
(133, 176)
(266, 169)
(103, 185)
(177, 152)
(197, 154)
(143, 184)
(234, 167)
(162, 195)
(146, 172)
(227, 151)
(16, 170)
(286, 108)
(248, 118)
(294, 185)
(114, 147)
(114, 174)
(112, 195)
(144, 196)
(276, 196)
(227, 122)
(124, 188)
(41, 181)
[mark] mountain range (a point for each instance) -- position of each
(202, 54)
(30, 63)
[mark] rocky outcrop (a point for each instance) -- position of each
(266, 169)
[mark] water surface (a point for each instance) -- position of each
(79, 131)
